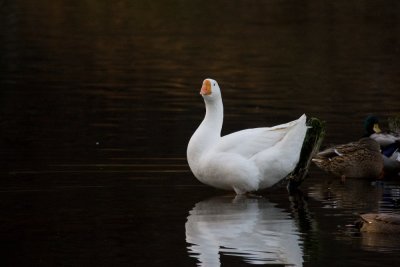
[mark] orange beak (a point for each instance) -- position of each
(206, 88)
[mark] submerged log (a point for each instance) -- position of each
(312, 142)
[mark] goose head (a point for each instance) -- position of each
(210, 90)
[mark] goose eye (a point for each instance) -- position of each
(214, 84)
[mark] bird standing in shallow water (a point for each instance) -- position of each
(243, 161)
(360, 159)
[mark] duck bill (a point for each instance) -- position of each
(376, 128)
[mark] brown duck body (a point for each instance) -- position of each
(360, 159)
(380, 223)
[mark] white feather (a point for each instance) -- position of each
(246, 160)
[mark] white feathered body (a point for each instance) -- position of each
(385, 139)
(247, 160)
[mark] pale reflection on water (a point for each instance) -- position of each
(251, 228)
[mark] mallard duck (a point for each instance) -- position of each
(389, 140)
(360, 159)
(244, 161)
(379, 223)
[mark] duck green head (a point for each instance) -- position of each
(371, 125)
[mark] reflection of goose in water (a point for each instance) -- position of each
(253, 229)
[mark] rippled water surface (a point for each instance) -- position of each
(98, 102)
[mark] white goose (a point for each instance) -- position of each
(244, 161)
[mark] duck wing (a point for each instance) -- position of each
(328, 153)
(338, 151)
(348, 148)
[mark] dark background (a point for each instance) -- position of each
(98, 100)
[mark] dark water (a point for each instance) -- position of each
(99, 99)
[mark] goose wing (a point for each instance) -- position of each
(249, 142)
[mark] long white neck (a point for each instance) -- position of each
(208, 133)
(214, 117)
